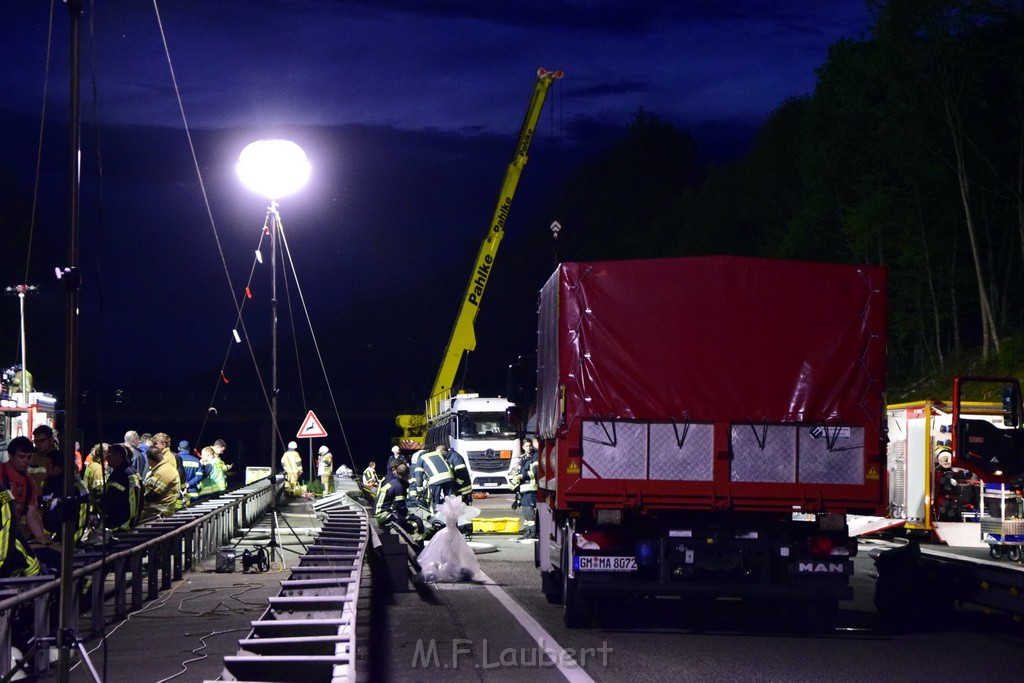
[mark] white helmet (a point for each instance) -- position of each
(395, 449)
(292, 445)
(324, 449)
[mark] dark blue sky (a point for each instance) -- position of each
(408, 111)
(436, 64)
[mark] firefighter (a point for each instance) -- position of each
(325, 467)
(370, 480)
(390, 501)
(434, 478)
(214, 472)
(16, 558)
(414, 466)
(463, 486)
(528, 489)
(121, 504)
(291, 462)
(51, 500)
(160, 490)
(393, 459)
(391, 507)
(193, 472)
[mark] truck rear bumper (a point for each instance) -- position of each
(597, 584)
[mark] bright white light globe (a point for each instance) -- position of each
(273, 168)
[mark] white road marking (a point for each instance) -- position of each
(565, 663)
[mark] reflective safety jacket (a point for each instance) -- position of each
(50, 506)
(433, 469)
(528, 473)
(391, 499)
(325, 465)
(215, 478)
(121, 505)
(414, 466)
(160, 490)
(460, 472)
(291, 462)
(94, 479)
(193, 472)
(370, 478)
(16, 558)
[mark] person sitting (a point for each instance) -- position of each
(370, 480)
(50, 502)
(390, 505)
(16, 557)
(121, 504)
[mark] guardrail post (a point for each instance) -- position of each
(190, 540)
(120, 588)
(136, 581)
(41, 614)
(96, 599)
(152, 572)
(165, 565)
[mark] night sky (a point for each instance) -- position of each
(408, 112)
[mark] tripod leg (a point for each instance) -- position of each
(88, 662)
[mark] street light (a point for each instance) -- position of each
(21, 290)
(274, 169)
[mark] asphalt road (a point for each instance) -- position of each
(505, 629)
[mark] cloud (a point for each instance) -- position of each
(619, 87)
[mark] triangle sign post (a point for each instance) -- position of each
(311, 428)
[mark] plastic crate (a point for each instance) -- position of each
(496, 525)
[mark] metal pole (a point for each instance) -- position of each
(275, 224)
(65, 637)
(24, 370)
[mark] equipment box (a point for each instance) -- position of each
(1002, 527)
(496, 525)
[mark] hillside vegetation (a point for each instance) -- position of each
(908, 154)
(939, 386)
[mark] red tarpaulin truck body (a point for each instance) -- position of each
(726, 391)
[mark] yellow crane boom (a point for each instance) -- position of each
(463, 336)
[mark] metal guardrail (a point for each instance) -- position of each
(158, 551)
(308, 632)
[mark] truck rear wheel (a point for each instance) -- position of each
(575, 612)
(551, 586)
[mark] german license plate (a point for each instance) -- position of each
(604, 563)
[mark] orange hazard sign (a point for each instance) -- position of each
(311, 428)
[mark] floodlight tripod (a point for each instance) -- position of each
(66, 638)
(274, 222)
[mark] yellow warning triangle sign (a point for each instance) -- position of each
(311, 428)
(872, 472)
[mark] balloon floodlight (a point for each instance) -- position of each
(273, 168)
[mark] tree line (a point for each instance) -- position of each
(909, 153)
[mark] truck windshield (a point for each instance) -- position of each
(484, 426)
